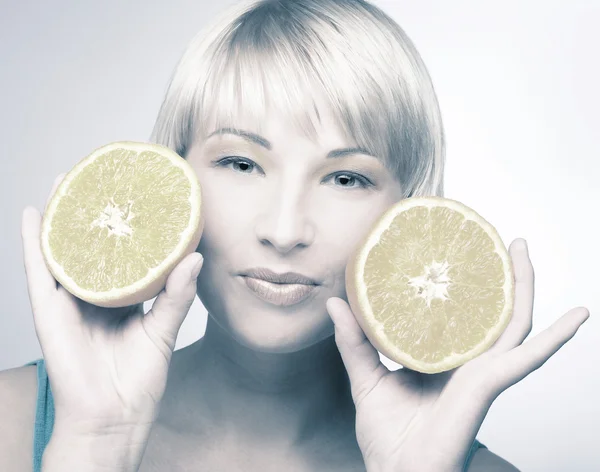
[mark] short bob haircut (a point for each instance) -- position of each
(266, 55)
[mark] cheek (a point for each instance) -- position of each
(347, 225)
(341, 231)
(226, 215)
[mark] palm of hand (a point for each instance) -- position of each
(408, 418)
(109, 361)
(410, 421)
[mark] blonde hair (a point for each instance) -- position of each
(271, 54)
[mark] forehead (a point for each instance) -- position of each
(317, 124)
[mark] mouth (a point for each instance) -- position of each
(284, 289)
(279, 278)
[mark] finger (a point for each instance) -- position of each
(530, 356)
(55, 185)
(173, 303)
(40, 283)
(360, 358)
(520, 324)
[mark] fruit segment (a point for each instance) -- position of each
(119, 222)
(92, 234)
(432, 284)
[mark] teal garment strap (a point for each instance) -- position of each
(476, 445)
(44, 415)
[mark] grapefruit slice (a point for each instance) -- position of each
(431, 285)
(120, 221)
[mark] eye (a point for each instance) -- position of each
(351, 180)
(239, 164)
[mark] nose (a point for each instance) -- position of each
(285, 223)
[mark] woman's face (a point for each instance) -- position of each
(286, 203)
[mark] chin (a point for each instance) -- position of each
(276, 333)
(262, 326)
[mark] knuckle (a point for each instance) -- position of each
(527, 328)
(480, 388)
(530, 274)
(179, 299)
(499, 376)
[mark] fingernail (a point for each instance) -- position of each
(522, 244)
(197, 267)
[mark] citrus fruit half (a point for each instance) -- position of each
(431, 285)
(120, 221)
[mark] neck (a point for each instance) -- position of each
(286, 397)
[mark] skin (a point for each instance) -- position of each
(275, 372)
(269, 387)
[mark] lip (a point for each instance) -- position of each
(280, 294)
(268, 275)
(281, 289)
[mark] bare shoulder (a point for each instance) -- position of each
(18, 392)
(485, 460)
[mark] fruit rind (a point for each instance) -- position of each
(150, 285)
(358, 301)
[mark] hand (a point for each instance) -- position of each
(107, 367)
(408, 421)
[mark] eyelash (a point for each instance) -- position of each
(363, 181)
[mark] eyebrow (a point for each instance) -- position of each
(263, 142)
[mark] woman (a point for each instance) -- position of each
(305, 120)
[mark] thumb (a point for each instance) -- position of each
(361, 359)
(172, 304)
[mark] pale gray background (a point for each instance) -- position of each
(518, 84)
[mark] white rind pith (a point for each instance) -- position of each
(392, 351)
(184, 239)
